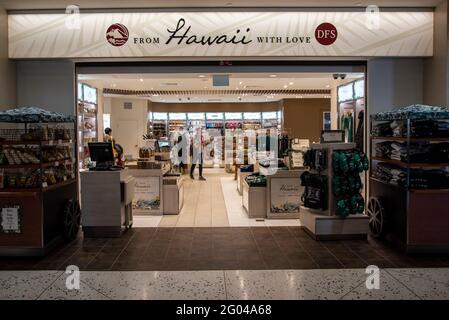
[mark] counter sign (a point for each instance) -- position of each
(326, 34)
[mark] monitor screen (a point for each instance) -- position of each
(101, 152)
(163, 144)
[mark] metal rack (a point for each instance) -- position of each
(415, 219)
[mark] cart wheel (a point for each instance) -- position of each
(72, 219)
(376, 213)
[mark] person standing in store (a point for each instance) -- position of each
(196, 150)
(181, 145)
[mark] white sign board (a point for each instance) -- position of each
(9, 220)
(147, 195)
(221, 34)
(285, 195)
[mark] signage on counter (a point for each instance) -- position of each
(285, 195)
(147, 196)
(332, 136)
(221, 34)
(10, 219)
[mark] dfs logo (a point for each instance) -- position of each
(326, 34)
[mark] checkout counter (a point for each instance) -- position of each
(110, 195)
(106, 202)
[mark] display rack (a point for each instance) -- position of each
(326, 224)
(411, 211)
(38, 184)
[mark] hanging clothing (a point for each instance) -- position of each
(359, 132)
(347, 122)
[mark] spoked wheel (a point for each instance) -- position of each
(376, 213)
(72, 219)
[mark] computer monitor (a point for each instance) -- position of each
(163, 144)
(101, 152)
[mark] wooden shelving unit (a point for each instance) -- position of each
(415, 219)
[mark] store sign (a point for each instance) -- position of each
(285, 195)
(220, 34)
(10, 219)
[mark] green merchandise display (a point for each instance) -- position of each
(346, 182)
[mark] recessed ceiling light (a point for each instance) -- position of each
(285, 86)
(201, 76)
(141, 80)
(114, 85)
(328, 86)
(241, 82)
(273, 75)
(291, 83)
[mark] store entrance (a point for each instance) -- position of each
(201, 146)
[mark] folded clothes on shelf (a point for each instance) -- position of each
(419, 152)
(416, 111)
(419, 178)
(418, 128)
(256, 180)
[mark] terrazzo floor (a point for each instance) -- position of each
(348, 284)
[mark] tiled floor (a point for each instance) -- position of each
(204, 205)
(233, 285)
(211, 203)
(227, 248)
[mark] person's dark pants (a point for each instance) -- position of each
(200, 165)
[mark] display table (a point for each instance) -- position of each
(241, 180)
(173, 194)
(106, 198)
(254, 200)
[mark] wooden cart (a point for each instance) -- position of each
(417, 220)
(38, 192)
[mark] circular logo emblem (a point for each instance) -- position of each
(326, 34)
(117, 34)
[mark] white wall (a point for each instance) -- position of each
(394, 83)
(436, 68)
(47, 84)
(137, 113)
(8, 98)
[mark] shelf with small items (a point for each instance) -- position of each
(56, 163)
(36, 142)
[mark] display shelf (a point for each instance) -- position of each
(50, 204)
(412, 164)
(412, 139)
(36, 142)
(411, 189)
(37, 165)
(416, 218)
(49, 188)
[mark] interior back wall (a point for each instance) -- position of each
(303, 118)
(213, 107)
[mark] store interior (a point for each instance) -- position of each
(229, 110)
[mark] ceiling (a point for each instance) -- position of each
(194, 88)
(101, 4)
